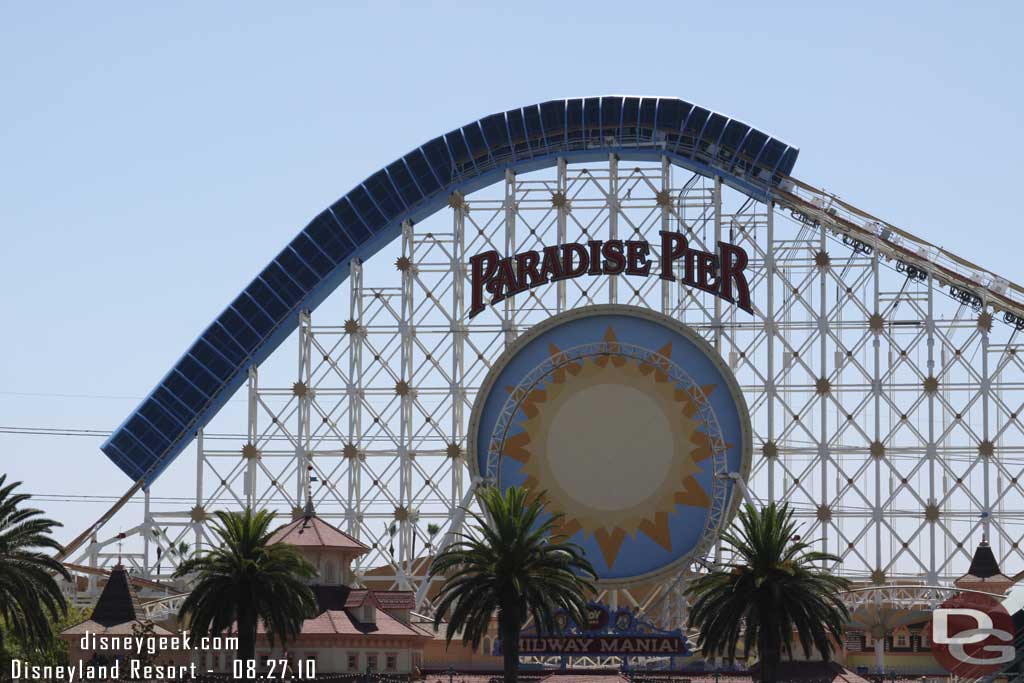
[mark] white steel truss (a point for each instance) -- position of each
(886, 405)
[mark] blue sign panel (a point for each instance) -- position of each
(629, 423)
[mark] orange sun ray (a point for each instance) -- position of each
(702, 446)
(610, 543)
(559, 374)
(612, 339)
(658, 530)
(658, 363)
(613, 354)
(529, 405)
(515, 447)
(692, 494)
(567, 528)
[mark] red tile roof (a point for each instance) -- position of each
(123, 629)
(341, 622)
(313, 532)
(356, 598)
(585, 678)
(345, 597)
(404, 600)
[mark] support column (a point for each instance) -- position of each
(717, 198)
(147, 526)
(562, 211)
(666, 215)
(94, 562)
(770, 343)
(933, 577)
(717, 322)
(250, 452)
(613, 220)
(876, 389)
(303, 394)
(459, 333)
(508, 323)
(823, 440)
(197, 525)
(986, 394)
(406, 391)
(354, 448)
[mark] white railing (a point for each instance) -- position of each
(157, 610)
(976, 286)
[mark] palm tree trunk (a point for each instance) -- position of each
(769, 653)
(246, 635)
(509, 626)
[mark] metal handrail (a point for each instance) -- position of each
(818, 207)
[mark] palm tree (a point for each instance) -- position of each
(30, 599)
(246, 580)
(432, 531)
(772, 590)
(516, 567)
(391, 531)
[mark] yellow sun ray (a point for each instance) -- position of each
(658, 530)
(515, 447)
(614, 348)
(568, 528)
(610, 542)
(692, 494)
(559, 374)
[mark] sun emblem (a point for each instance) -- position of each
(615, 443)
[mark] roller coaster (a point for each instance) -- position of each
(881, 372)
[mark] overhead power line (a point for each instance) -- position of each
(54, 431)
(102, 433)
(43, 394)
(112, 397)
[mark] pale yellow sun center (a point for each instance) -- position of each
(620, 437)
(610, 444)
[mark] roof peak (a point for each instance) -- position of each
(312, 531)
(118, 602)
(984, 564)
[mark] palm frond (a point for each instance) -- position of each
(30, 598)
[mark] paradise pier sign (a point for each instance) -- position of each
(496, 278)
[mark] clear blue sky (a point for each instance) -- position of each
(156, 155)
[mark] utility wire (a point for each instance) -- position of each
(100, 433)
(113, 397)
(53, 431)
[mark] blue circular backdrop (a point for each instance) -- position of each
(623, 417)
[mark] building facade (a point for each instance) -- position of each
(357, 630)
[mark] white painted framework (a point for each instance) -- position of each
(886, 411)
